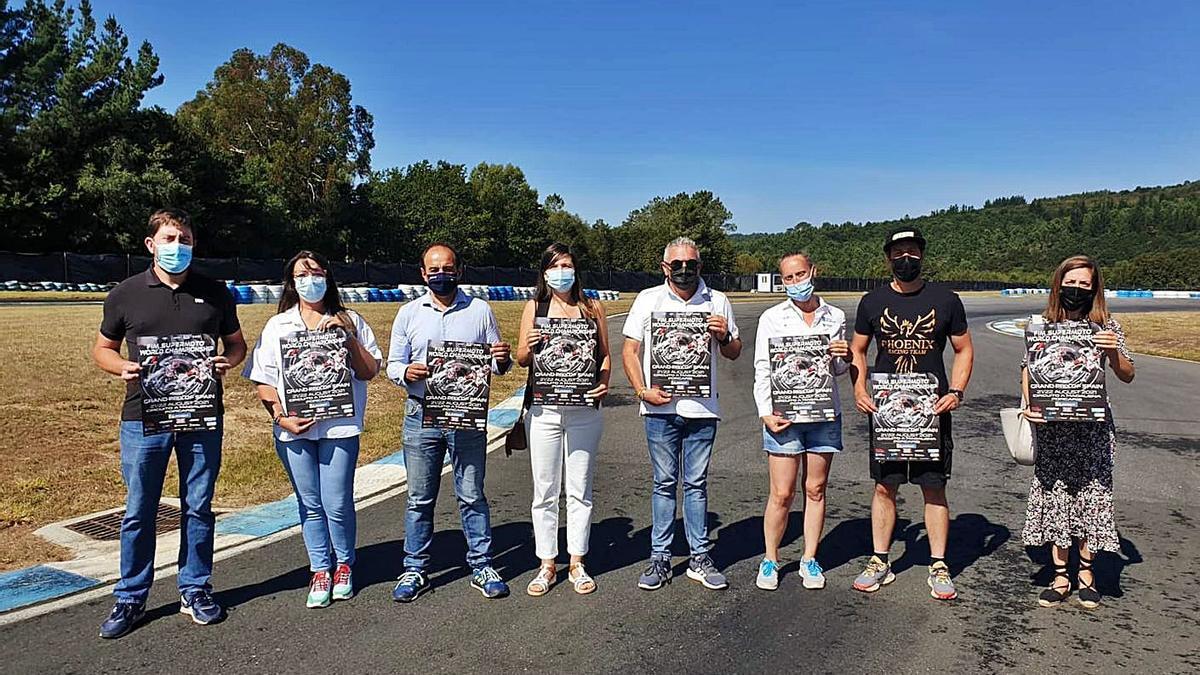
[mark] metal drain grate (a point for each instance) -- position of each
(108, 526)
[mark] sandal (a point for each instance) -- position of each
(580, 580)
(1089, 597)
(542, 582)
(1052, 596)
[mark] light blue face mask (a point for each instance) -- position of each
(310, 288)
(174, 257)
(560, 279)
(800, 292)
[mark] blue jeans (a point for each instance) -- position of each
(144, 469)
(680, 449)
(424, 456)
(322, 474)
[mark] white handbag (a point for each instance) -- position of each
(1018, 434)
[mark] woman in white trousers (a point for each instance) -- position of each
(564, 343)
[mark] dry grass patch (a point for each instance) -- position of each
(1174, 334)
(61, 449)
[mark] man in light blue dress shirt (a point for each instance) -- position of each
(444, 313)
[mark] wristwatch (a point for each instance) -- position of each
(958, 393)
(728, 338)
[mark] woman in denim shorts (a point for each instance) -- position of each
(796, 447)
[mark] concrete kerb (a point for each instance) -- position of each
(41, 589)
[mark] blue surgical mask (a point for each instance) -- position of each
(310, 288)
(173, 258)
(443, 283)
(560, 279)
(800, 292)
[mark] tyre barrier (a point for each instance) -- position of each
(1172, 295)
(257, 294)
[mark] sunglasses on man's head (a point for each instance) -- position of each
(692, 265)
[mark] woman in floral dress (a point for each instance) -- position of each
(1071, 496)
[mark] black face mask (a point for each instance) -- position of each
(443, 283)
(685, 274)
(906, 268)
(1076, 298)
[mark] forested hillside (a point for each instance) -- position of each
(1144, 237)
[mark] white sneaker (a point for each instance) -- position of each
(768, 575)
(812, 574)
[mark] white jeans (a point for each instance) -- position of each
(561, 435)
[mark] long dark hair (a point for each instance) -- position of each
(291, 297)
(551, 255)
(1054, 309)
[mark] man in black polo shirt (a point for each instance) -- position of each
(911, 320)
(166, 300)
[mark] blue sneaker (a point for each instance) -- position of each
(123, 618)
(410, 586)
(657, 573)
(768, 575)
(812, 574)
(487, 580)
(201, 607)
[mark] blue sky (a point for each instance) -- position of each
(787, 111)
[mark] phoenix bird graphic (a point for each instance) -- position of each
(910, 338)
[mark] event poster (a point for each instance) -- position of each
(317, 380)
(802, 378)
(905, 428)
(1066, 372)
(459, 383)
(564, 364)
(680, 353)
(180, 391)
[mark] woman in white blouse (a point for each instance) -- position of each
(798, 445)
(319, 454)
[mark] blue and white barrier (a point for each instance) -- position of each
(1173, 295)
(248, 294)
(253, 294)
(52, 286)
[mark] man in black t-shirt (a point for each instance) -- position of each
(168, 300)
(911, 320)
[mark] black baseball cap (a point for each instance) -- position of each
(903, 234)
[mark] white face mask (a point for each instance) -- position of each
(560, 279)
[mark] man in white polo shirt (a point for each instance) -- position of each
(679, 430)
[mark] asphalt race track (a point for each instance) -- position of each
(1149, 622)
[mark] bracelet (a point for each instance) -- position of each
(640, 393)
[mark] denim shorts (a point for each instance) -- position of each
(803, 437)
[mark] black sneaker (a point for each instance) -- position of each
(122, 619)
(201, 607)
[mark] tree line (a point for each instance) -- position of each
(271, 155)
(1143, 238)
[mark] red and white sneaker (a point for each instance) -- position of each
(343, 583)
(318, 590)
